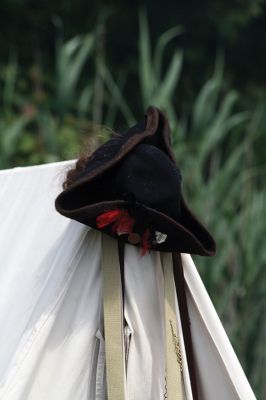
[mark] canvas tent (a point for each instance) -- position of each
(51, 306)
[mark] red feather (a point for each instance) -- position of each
(145, 242)
(123, 223)
(107, 218)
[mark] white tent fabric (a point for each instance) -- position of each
(51, 306)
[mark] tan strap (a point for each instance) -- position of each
(174, 379)
(112, 311)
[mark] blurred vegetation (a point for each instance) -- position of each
(69, 94)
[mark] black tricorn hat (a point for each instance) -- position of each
(131, 188)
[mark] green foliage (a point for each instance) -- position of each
(70, 59)
(155, 88)
(218, 146)
(223, 183)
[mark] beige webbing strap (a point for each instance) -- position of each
(173, 354)
(113, 326)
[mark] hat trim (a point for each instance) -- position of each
(97, 208)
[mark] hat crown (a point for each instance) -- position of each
(148, 177)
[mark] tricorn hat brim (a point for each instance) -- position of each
(187, 235)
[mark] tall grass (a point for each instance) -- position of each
(216, 147)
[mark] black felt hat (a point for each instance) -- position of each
(131, 189)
